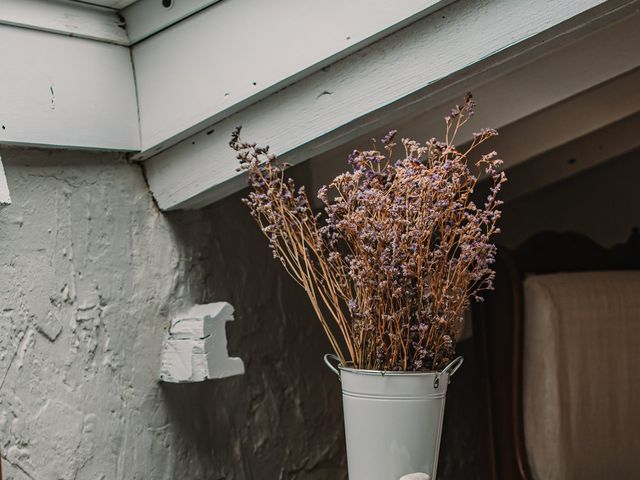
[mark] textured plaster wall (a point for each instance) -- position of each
(90, 272)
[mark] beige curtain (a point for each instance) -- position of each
(582, 375)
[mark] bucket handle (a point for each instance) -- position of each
(452, 368)
(331, 356)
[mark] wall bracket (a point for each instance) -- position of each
(195, 348)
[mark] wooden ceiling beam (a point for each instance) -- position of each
(403, 75)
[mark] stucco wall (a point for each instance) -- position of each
(90, 272)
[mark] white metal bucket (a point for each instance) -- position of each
(393, 420)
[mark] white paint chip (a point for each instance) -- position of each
(195, 348)
(5, 199)
(49, 326)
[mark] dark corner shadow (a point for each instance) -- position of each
(205, 413)
(284, 414)
(460, 448)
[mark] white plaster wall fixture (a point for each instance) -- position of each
(195, 348)
(5, 199)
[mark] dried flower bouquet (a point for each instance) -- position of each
(391, 264)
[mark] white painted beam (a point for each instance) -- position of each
(574, 118)
(60, 91)
(5, 198)
(196, 346)
(564, 139)
(147, 17)
(574, 157)
(411, 72)
(237, 52)
(66, 17)
(546, 129)
(114, 4)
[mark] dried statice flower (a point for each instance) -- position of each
(401, 249)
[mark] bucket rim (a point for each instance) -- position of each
(384, 373)
(450, 369)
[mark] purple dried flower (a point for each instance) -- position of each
(402, 236)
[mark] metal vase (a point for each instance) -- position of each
(392, 420)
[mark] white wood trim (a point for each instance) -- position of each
(405, 74)
(147, 17)
(65, 17)
(576, 117)
(534, 134)
(574, 157)
(60, 91)
(5, 198)
(237, 52)
(113, 4)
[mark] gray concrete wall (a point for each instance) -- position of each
(90, 273)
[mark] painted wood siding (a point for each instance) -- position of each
(403, 75)
(60, 91)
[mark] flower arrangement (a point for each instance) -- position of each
(391, 264)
